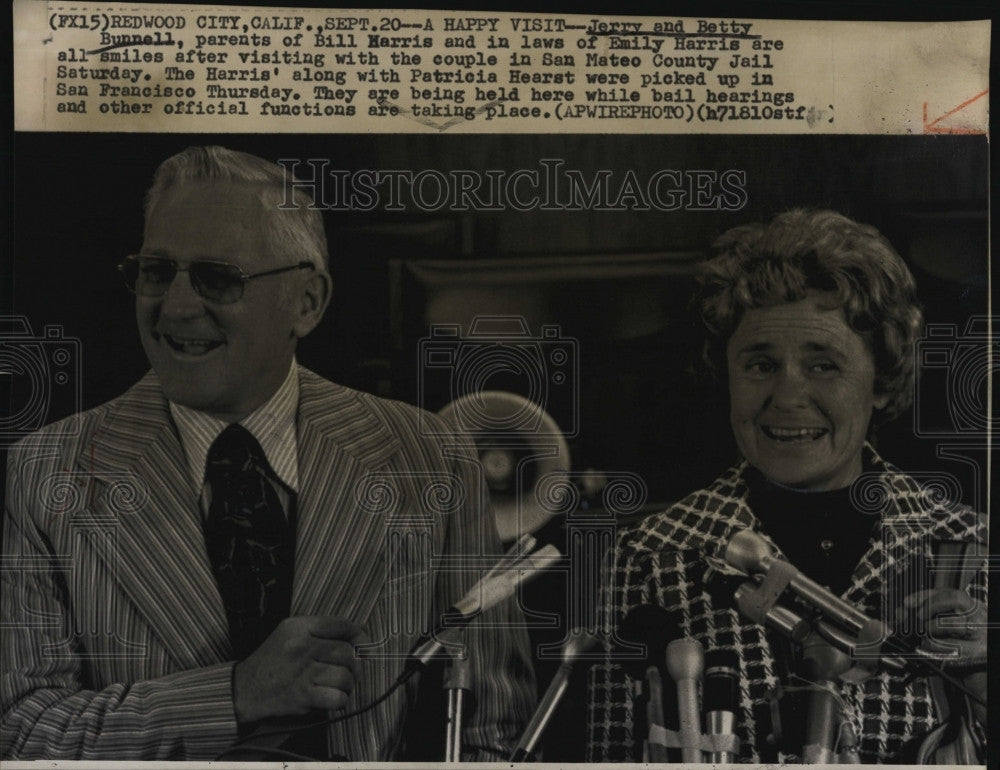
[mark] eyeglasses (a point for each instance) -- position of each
(217, 282)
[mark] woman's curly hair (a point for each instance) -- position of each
(762, 265)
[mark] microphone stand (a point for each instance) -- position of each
(654, 752)
(824, 664)
(578, 643)
(500, 583)
(457, 680)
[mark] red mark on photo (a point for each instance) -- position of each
(936, 126)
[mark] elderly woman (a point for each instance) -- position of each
(812, 318)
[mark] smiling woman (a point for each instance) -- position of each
(812, 318)
(802, 392)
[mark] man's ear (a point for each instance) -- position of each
(310, 301)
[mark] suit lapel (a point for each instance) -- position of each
(341, 550)
(160, 558)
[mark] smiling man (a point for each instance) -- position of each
(223, 357)
(226, 554)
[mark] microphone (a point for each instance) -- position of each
(721, 698)
(872, 639)
(578, 643)
(753, 604)
(823, 664)
(747, 551)
(500, 584)
(685, 664)
(650, 625)
(858, 648)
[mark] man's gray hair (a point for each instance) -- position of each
(294, 233)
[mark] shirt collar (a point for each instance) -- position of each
(272, 424)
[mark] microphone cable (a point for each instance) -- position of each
(241, 744)
(921, 658)
(274, 752)
(510, 569)
(939, 670)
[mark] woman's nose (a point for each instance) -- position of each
(791, 389)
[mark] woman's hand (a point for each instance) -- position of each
(954, 625)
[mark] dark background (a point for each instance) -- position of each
(643, 408)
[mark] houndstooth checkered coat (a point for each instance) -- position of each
(662, 562)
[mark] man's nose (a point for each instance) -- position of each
(180, 299)
(791, 389)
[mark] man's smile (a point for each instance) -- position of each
(189, 346)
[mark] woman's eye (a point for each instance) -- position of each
(825, 367)
(760, 367)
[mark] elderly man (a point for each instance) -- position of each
(209, 552)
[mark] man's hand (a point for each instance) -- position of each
(306, 663)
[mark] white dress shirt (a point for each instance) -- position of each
(272, 424)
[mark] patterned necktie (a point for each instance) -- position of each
(250, 541)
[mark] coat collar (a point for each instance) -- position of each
(139, 421)
(909, 519)
(158, 550)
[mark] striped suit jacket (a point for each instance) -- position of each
(115, 640)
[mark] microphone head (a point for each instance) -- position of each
(685, 659)
(746, 551)
(578, 643)
(501, 585)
